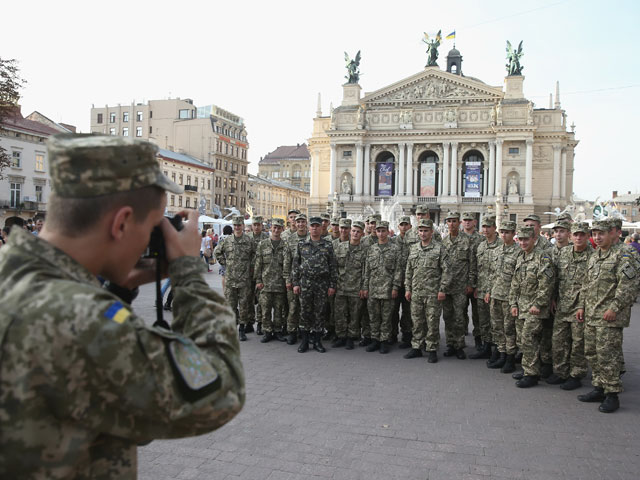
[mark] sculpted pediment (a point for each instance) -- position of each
(433, 86)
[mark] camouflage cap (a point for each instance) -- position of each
(358, 223)
(277, 222)
(315, 221)
(238, 220)
(377, 216)
(508, 225)
(382, 224)
(525, 232)
(372, 219)
(345, 222)
(84, 166)
(562, 224)
(335, 221)
(532, 216)
(404, 219)
(566, 216)
(615, 222)
(293, 210)
(256, 219)
(325, 216)
(580, 227)
(301, 216)
(601, 225)
(425, 222)
(455, 215)
(468, 216)
(422, 209)
(488, 221)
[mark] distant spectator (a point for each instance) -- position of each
(636, 242)
(38, 226)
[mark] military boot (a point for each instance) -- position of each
(546, 369)
(249, 328)
(292, 339)
(329, 335)
(595, 395)
(478, 341)
(373, 346)
(259, 329)
(450, 351)
(268, 336)
(571, 384)
(494, 355)
(433, 357)
(554, 379)
(241, 333)
(460, 355)
(317, 345)
(364, 342)
(304, 344)
(405, 341)
(527, 381)
(518, 357)
(518, 375)
(350, 345)
(281, 337)
(500, 361)
(484, 352)
(384, 347)
(413, 353)
(509, 365)
(339, 342)
(610, 404)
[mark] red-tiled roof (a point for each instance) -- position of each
(287, 152)
(15, 120)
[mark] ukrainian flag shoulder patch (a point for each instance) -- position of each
(117, 312)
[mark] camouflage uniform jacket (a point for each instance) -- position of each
(571, 270)
(237, 254)
(257, 239)
(83, 380)
(485, 255)
(314, 262)
(405, 246)
(426, 273)
(290, 246)
(413, 237)
(350, 260)
(368, 240)
(503, 266)
(461, 259)
(287, 233)
(336, 241)
(268, 265)
(542, 244)
(610, 284)
(532, 284)
(383, 270)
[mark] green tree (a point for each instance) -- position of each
(10, 84)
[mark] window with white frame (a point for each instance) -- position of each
(139, 116)
(39, 192)
(39, 162)
(138, 131)
(15, 194)
(16, 159)
(125, 132)
(125, 116)
(112, 117)
(112, 131)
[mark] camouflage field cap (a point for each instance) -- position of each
(508, 225)
(525, 232)
(580, 227)
(256, 219)
(425, 222)
(372, 219)
(238, 220)
(345, 222)
(566, 216)
(335, 221)
(293, 210)
(301, 216)
(455, 215)
(315, 221)
(325, 216)
(615, 222)
(404, 219)
(422, 209)
(601, 225)
(84, 166)
(358, 223)
(468, 216)
(277, 222)
(562, 224)
(377, 216)
(382, 224)
(533, 217)
(488, 221)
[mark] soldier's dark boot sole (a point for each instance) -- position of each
(611, 403)
(413, 353)
(571, 384)
(527, 381)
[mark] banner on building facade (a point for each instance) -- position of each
(473, 179)
(385, 179)
(427, 179)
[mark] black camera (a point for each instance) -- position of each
(156, 247)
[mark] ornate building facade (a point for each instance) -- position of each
(445, 140)
(289, 164)
(273, 199)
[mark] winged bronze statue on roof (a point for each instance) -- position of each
(353, 68)
(513, 59)
(432, 48)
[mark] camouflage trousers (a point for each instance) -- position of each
(425, 313)
(237, 298)
(380, 312)
(475, 317)
(272, 321)
(453, 309)
(256, 301)
(603, 349)
(404, 318)
(293, 317)
(531, 338)
(501, 321)
(546, 352)
(484, 319)
(313, 302)
(365, 322)
(330, 322)
(568, 347)
(348, 310)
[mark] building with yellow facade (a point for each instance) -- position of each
(273, 199)
(288, 164)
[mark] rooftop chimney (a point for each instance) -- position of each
(615, 194)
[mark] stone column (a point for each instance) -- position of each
(563, 174)
(440, 179)
(332, 171)
(401, 177)
(499, 166)
(492, 167)
(365, 170)
(410, 180)
(358, 189)
(555, 192)
(372, 176)
(485, 181)
(445, 168)
(454, 169)
(528, 182)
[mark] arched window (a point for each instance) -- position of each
(385, 175)
(428, 174)
(473, 173)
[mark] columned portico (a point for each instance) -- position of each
(528, 168)
(366, 170)
(410, 181)
(454, 169)
(492, 168)
(445, 169)
(401, 177)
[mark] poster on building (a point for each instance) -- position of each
(385, 179)
(473, 179)
(427, 179)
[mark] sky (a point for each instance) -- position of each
(267, 61)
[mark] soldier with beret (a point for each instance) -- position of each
(293, 318)
(83, 379)
(469, 223)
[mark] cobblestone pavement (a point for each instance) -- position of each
(357, 415)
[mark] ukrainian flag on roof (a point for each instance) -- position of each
(451, 36)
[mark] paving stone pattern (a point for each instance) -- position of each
(350, 415)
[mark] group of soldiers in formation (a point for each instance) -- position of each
(554, 308)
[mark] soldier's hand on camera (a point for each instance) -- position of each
(143, 272)
(183, 243)
(609, 316)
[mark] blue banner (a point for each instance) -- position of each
(473, 179)
(385, 179)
